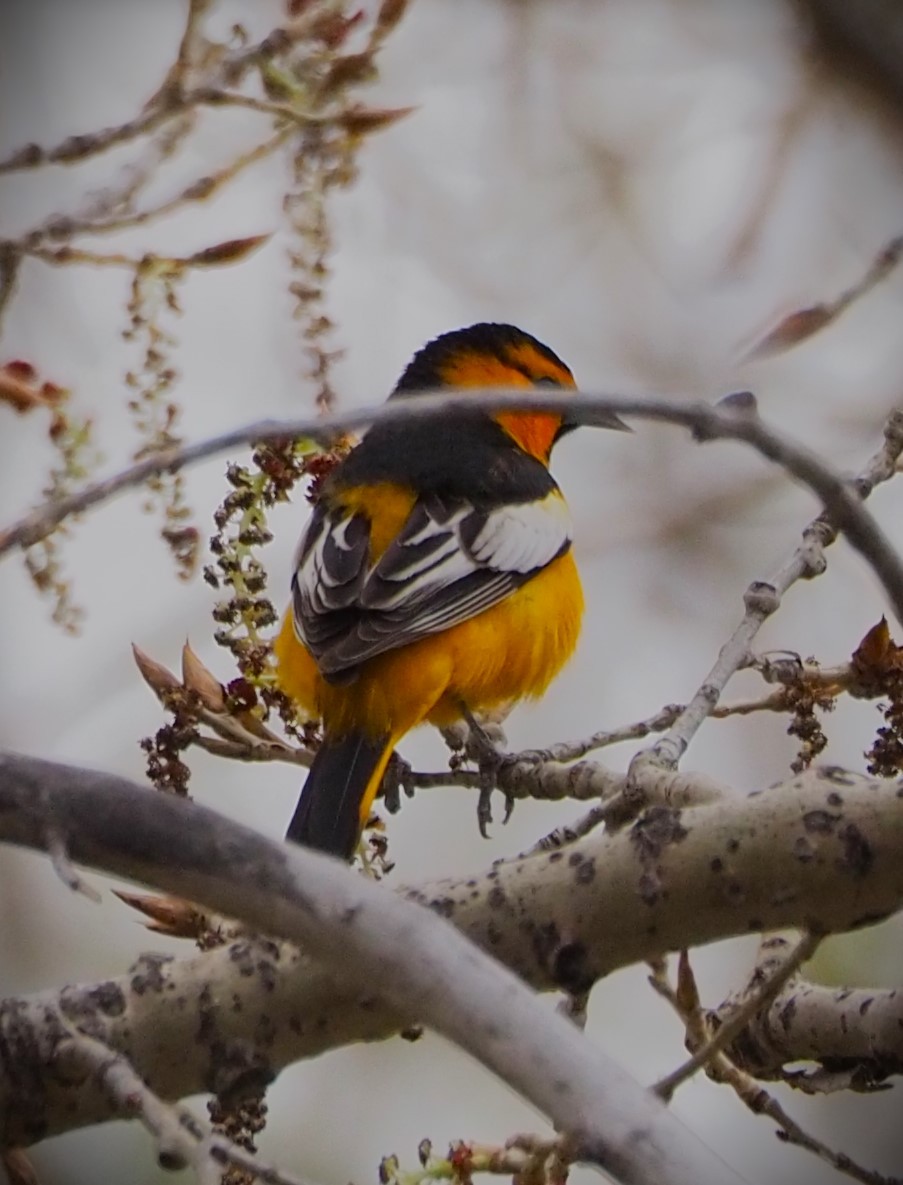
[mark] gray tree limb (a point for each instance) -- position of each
(824, 851)
(364, 933)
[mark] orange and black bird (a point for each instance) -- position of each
(435, 577)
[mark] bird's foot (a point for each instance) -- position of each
(484, 746)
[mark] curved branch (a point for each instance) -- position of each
(842, 504)
(823, 851)
(365, 933)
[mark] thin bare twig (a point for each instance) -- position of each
(211, 96)
(165, 141)
(85, 145)
(762, 598)
(172, 98)
(802, 324)
(843, 504)
(190, 47)
(135, 176)
(760, 993)
(237, 64)
(64, 869)
(223, 253)
(169, 101)
(253, 751)
(198, 191)
(564, 751)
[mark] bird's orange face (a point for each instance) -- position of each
(514, 364)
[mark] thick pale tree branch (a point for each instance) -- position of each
(860, 1028)
(368, 936)
(823, 851)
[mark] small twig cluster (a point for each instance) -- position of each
(877, 667)
(707, 1039)
(155, 412)
(165, 768)
(240, 1122)
(228, 711)
(802, 698)
(241, 522)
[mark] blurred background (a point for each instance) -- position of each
(649, 186)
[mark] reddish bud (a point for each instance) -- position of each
(20, 369)
(359, 121)
(168, 915)
(390, 13)
(230, 251)
(795, 328)
(242, 694)
(333, 29)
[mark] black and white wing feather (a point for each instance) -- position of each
(449, 562)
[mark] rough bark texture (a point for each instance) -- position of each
(824, 850)
(357, 927)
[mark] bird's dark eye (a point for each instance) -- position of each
(546, 381)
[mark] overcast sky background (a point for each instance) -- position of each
(590, 172)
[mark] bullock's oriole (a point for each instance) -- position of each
(435, 577)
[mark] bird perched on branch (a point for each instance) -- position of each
(435, 578)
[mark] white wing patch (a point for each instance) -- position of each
(522, 538)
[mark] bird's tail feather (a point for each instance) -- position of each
(336, 797)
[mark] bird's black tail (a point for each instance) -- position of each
(336, 798)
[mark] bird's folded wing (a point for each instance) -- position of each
(449, 562)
